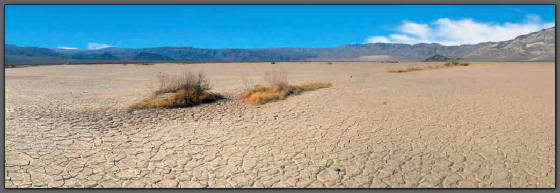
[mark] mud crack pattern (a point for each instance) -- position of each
(486, 125)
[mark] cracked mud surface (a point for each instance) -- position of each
(485, 125)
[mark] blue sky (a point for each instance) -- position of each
(261, 26)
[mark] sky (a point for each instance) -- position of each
(266, 26)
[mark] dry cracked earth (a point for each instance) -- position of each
(484, 125)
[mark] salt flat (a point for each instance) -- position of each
(483, 125)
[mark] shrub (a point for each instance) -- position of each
(276, 77)
(264, 94)
(182, 98)
(182, 90)
(410, 69)
(278, 89)
(455, 63)
(185, 80)
(448, 64)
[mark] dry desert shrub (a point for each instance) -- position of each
(455, 63)
(276, 77)
(408, 69)
(430, 67)
(173, 83)
(278, 89)
(181, 90)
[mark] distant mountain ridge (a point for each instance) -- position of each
(438, 58)
(536, 46)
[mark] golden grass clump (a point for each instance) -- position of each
(173, 83)
(278, 89)
(455, 63)
(418, 68)
(182, 90)
(409, 69)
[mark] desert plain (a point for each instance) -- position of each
(483, 125)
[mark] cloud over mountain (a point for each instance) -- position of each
(66, 48)
(463, 31)
(95, 46)
(535, 46)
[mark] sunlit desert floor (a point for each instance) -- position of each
(483, 125)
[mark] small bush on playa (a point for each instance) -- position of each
(409, 69)
(388, 61)
(182, 90)
(276, 77)
(185, 80)
(418, 68)
(278, 89)
(264, 94)
(455, 63)
(145, 64)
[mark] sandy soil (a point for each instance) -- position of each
(484, 125)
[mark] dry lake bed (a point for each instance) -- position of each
(483, 125)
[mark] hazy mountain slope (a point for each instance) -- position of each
(437, 58)
(143, 56)
(416, 52)
(536, 46)
(31, 51)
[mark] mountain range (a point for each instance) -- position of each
(536, 46)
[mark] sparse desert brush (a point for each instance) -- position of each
(310, 86)
(408, 69)
(388, 61)
(181, 90)
(185, 80)
(429, 67)
(182, 98)
(278, 89)
(455, 63)
(264, 94)
(448, 64)
(276, 77)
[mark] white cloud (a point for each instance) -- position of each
(420, 30)
(379, 39)
(66, 48)
(95, 46)
(402, 38)
(464, 31)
